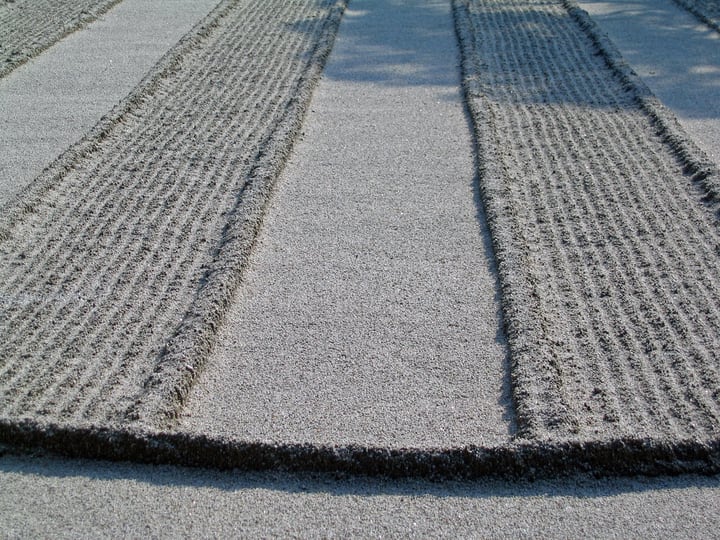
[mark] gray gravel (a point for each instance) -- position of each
(59, 498)
(49, 103)
(102, 258)
(611, 299)
(82, 499)
(28, 27)
(369, 311)
(679, 62)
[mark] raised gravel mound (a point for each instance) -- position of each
(708, 11)
(116, 264)
(604, 224)
(28, 27)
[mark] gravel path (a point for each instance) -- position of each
(90, 498)
(86, 499)
(28, 27)
(104, 256)
(119, 263)
(369, 311)
(611, 300)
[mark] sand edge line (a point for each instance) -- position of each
(699, 14)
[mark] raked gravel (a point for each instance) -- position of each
(52, 101)
(104, 256)
(603, 218)
(28, 27)
(369, 311)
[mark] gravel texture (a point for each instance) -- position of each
(51, 102)
(369, 311)
(602, 215)
(117, 263)
(28, 27)
(708, 11)
(86, 499)
(603, 221)
(679, 62)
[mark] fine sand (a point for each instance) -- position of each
(64, 498)
(707, 11)
(680, 63)
(85, 499)
(28, 27)
(369, 310)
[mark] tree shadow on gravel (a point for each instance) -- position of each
(687, 76)
(404, 46)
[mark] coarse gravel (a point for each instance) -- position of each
(369, 310)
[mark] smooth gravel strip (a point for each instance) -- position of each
(369, 311)
(28, 27)
(50, 103)
(607, 250)
(103, 258)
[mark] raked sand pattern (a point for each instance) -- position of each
(120, 264)
(107, 259)
(27, 27)
(607, 248)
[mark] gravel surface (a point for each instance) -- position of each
(120, 262)
(28, 27)
(680, 63)
(611, 302)
(79, 499)
(708, 11)
(369, 312)
(50, 103)
(119, 255)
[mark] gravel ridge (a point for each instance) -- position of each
(610, 302)
(129, 230)
(625, 456)
(28, 27)
(707, 11)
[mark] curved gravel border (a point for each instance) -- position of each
(529, 460)
(28, 27)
